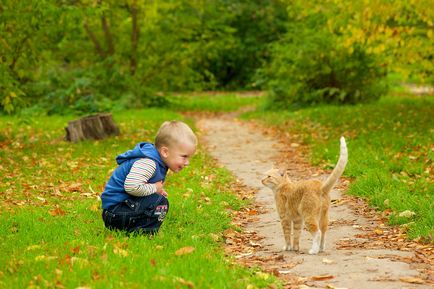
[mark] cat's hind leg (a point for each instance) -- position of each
(323, 226)
(313, 228)
(298, 226)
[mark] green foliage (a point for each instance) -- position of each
(309, 66)
(126, 53)
(23, 40)
(390, 152)
(86, 56)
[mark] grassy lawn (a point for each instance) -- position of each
(391, 152)
(51, 229)
(214, 102)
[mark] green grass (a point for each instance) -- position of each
(213, 102)
(51, 228)
(390, 147)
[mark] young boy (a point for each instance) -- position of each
(134, 199)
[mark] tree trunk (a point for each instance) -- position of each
(95, 127)
(135, 32)
(108, 35)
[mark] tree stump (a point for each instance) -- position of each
(96, 126)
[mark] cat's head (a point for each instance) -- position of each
(273, 178)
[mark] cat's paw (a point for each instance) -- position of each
(313, 251)
(286, 248)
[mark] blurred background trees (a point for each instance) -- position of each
(94, 55)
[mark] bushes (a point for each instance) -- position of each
(308, 67)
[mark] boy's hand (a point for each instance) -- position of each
(164, 193)
(160, 189)
(159, 186)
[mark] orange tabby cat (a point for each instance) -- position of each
(304, 202)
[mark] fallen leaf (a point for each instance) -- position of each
(189, 284)
(284, 271)
(407, 214)
(214, 237)
(329, 286)
(95, 207)
(253, 244)
(77, 260)
(413, 280)
(45, 258)
(33, 247)
(322, 277)
(262, 275)
(120, 252)
(75, 187)
(328, 261)
(75, 250)
(378, 232)
(57, 212)
(184, 251)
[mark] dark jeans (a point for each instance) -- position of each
(137, 214)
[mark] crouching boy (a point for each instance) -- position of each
(134, 199)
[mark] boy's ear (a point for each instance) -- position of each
(164, 151)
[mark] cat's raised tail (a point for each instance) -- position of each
(338, 170)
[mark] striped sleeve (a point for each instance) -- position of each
(136, 182)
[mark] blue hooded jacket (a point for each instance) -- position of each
(114, 192)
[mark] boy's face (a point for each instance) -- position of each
(177, 156)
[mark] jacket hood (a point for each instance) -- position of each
(142, 150)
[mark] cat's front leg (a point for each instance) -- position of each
(287, 231)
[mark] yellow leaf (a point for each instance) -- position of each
(412, 280)
(185, 282)
(407, 214)
(262, 275)
(33, 247)
(378, 231)
(184, 251)
(328, 261)
(120, 252)
(322, 277)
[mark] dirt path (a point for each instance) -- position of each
(247, 152)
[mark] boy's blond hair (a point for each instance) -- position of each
(174, 132)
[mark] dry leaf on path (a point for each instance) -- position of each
(329, 286)
(328, 261)
(322, 277)
(413, 280)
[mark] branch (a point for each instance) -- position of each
(95, 41)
